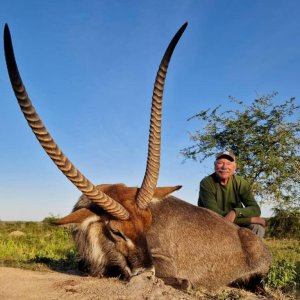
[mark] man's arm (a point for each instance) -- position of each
(259, 221)
(251, 208)
(207, 197)
(231, 216)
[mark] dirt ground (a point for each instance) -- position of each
(26, 284)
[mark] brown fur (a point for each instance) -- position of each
(109, 246)
(187, 245)
(196, 244)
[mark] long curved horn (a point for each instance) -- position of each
(47, 142)
(153, 161)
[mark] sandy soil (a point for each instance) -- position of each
(25, 284)
(44, 285)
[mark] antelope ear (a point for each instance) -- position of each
(161, 192)
(77, 216)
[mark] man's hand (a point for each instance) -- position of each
(231, 216)
(258, 220)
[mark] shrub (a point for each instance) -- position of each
(50, 220)
(282, 275)
(285, 224)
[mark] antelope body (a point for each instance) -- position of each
(188, 246)
(192, 245)
(122, 231)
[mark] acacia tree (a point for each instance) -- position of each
(266, 139)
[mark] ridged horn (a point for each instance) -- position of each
(153, 160)
(61, 161)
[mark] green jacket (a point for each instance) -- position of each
(236, 195)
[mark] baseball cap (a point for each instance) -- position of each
(226, 154)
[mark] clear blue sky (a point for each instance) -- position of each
(89, 68)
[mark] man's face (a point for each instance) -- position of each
(224, 168)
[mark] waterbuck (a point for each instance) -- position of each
(122, 231)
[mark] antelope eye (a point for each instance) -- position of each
(117, 233)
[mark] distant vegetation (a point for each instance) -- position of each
(42, 246)
(36, 245)
(285, 224)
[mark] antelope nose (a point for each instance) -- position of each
(150, 272)
(153, 270)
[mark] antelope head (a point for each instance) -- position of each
(124, 210)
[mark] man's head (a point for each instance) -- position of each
(225, 166)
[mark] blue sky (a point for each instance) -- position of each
(89, 68)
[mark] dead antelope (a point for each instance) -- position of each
(122, 231)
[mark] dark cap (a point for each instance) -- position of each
(226, 154)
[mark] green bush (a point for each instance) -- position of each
(50, 220)
(285, 224)
(282, 275)
(40, 246)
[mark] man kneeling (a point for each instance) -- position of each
(230, 195)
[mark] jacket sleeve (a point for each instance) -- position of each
(207, 197)
(251, 208)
